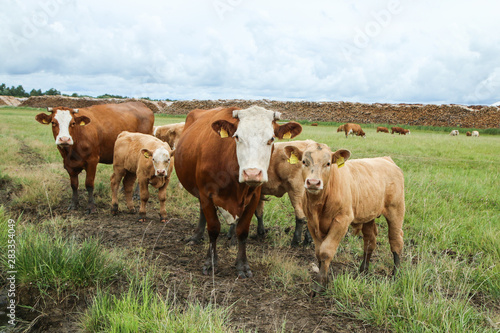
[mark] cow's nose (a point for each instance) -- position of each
(64, 140)
(160, 172)
(313, 182)
(252, 175)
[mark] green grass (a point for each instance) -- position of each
(450, 275)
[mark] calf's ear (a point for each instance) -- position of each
(224, 128)
(340, 156)
(82, 120)
(293, 154)
(288, 130)
(146, 152)
(43, 118)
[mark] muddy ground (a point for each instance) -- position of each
(256, 303)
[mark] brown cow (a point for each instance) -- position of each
(339, 193)
(340, 128)
(352, 129)
(468, 133)
(284, 177)
(382, 129)
(399, 130)
(169, 133)
(86, 137)
(222, 159)
(147, 159)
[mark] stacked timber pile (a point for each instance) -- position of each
(475, 116)
(9, 100)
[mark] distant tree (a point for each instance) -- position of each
(52, 91)
(18, 91)
(110, 96)
(74, 95)
(35, 92)
(3, 89)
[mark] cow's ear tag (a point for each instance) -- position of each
(45, 121)
(287, 135)
(82, 123)
(146, 155)
(340, 162)
(293, 159)
(223, 133)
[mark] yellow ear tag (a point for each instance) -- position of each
(287, 135)
(82, 123)
(146, 155)
(293, 159)
(340, 162)
(45, 121)
(223, 133)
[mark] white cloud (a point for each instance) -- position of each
(381, 51)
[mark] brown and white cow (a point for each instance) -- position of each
(352, 129)
(222, 159)
(285, 176)
(169, 133)
(382, 129)
(475, 133)
(86, 137)
(341, 192)
(147, 159)
(454, 133)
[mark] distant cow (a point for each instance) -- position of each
(382, 129)
(399, 130)
(222, 159)
(454, 133)
(340, 128)
(475, 133)
(468, 133)
(86, 137)
(169, 133)
(352, 129)
(147, 159)
(341, 192)
(284, 177)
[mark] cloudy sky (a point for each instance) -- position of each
(413, 51)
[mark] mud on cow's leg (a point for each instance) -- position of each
(370, 242)
(89, 185)
(259, 214)
(200, 229)
(297, 235)
(74, 187)
(213, 228)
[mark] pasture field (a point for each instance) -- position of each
(100, 273)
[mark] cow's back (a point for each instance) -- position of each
(109, 120)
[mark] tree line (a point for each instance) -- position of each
(20, 92)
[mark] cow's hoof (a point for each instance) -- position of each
(132, 211)
(245, 274)
(114, 212)
(91, 210)
(163, 220)
(141, 219)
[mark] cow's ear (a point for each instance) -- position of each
(340, 156)
(146, 152)
(172, 153)
(287, 131)
(82, 120)
(43, 118)
(224, 128)
(293, 154)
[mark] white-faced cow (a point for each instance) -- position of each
(222, 159)
(86, 137)
(341, 192)
(454, 133)
(169, 133)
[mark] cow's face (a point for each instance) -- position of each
(160, 158)
(64, 121)
(317, 160)
(254, 134)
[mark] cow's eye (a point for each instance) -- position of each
(53, 124)
(237, 138)
(270, 141)
(328, 164)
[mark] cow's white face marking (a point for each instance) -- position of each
(64, 120)
(161, 161)
(254, 139)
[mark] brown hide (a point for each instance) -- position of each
(131, 163)
(169, 133)
(356, 129)
(382, 129)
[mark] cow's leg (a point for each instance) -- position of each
(242, 229)
(115, 180)
(73, 177)
(259, 214)
(128, 188)
(162, 197)
(395, 218)
(143, 186)
(369, 240)
(89, 185)
(328, 249)
(300, 219)
(200, 229)
(213, 228)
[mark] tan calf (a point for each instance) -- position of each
(169, 133)
(339, 193)
(147, 159)
(352, 129)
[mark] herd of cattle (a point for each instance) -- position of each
(227, 158)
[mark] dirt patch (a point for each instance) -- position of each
(255, 302)
(29, 155)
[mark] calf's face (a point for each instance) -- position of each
(160, 158)
(317, 160)
(254, 135)
(64, 121)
